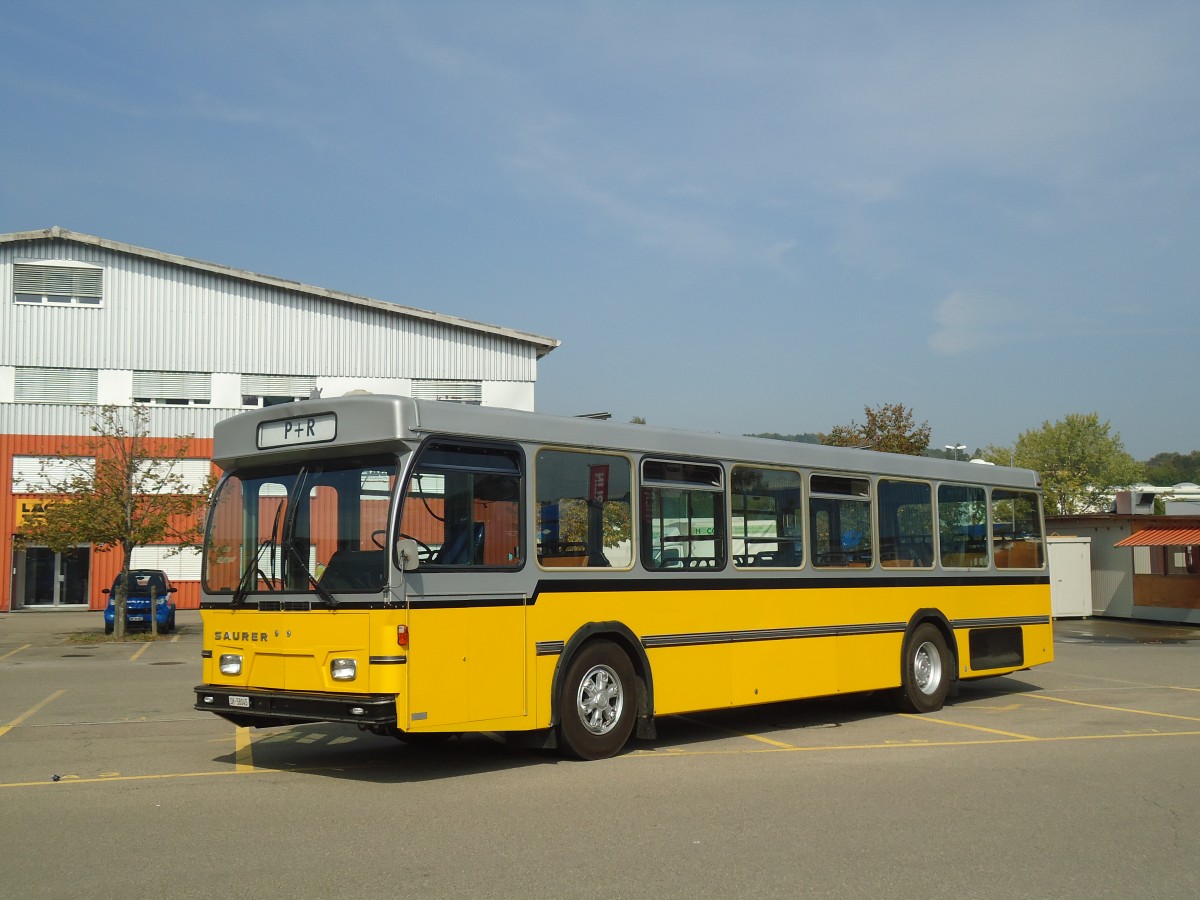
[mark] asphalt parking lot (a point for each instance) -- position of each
(1077, 779)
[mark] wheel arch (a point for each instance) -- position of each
(619, 634)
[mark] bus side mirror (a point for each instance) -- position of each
(406, 549)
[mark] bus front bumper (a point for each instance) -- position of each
(262, 709)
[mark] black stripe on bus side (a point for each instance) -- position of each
(387, 660)
(472, 602)
(604, 585)
(1009, 620)
(653, 641)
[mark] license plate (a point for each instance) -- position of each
(243, 702)
(137, 618)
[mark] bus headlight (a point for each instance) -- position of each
(342, 669)
(231, 664)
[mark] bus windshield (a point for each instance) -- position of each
(313, 527)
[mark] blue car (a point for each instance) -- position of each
(144, 584)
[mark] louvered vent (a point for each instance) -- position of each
(452, 391)
(279, 385)
(172, 387)
(53, 283)
(34, 385)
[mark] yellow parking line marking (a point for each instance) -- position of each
(1174, 687)
(5, 729)
(1125, 709)
(753, 737)
(15, 652)
(663, 753)
(926, 718)
(74, 779)
(243, 754)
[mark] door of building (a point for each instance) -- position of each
(54, 579)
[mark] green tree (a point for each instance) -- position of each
(1080, 462)
(124, 491)
(889, 428)
(1166, 469)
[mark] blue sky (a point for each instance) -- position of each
(737, 217)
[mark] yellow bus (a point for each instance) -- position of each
(421, 568)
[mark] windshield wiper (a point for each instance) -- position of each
(252, 568)
(322, 591)
(248, 576)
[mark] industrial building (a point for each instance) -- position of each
(89, 321)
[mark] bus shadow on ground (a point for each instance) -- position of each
(342, 751)
(781, 721)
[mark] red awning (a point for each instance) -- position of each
(1162, 537)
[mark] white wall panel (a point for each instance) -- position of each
(159, 316)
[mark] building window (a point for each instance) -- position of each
(270, 390)
(43, 474)
(469, 392)
(58, 283)
(35, 385)
(172, 388)
(179, 564)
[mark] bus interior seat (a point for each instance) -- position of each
(458, 550)
(350, 570)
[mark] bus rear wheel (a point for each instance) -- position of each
(925, 677)
(598, 702)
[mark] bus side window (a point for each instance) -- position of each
(905, 524)
(463, 506)
(1017, 540)
(840, 521)
(767, 521)
(583, 510)
(962, 526)
(682, 515)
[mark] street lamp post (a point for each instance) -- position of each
(956, 448)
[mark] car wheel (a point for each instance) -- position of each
(108, 627)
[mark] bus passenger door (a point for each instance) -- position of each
(466, 659)
(467, 596)
(496, 658)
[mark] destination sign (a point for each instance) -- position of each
(318, 429)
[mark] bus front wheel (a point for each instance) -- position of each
(598, 702)
(925, 677)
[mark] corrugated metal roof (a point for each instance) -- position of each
(542, 344)
(1162, 537)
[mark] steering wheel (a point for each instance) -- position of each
(424, 551)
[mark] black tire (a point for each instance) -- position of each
(926, 671)
(108, 627)
(598, 702)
